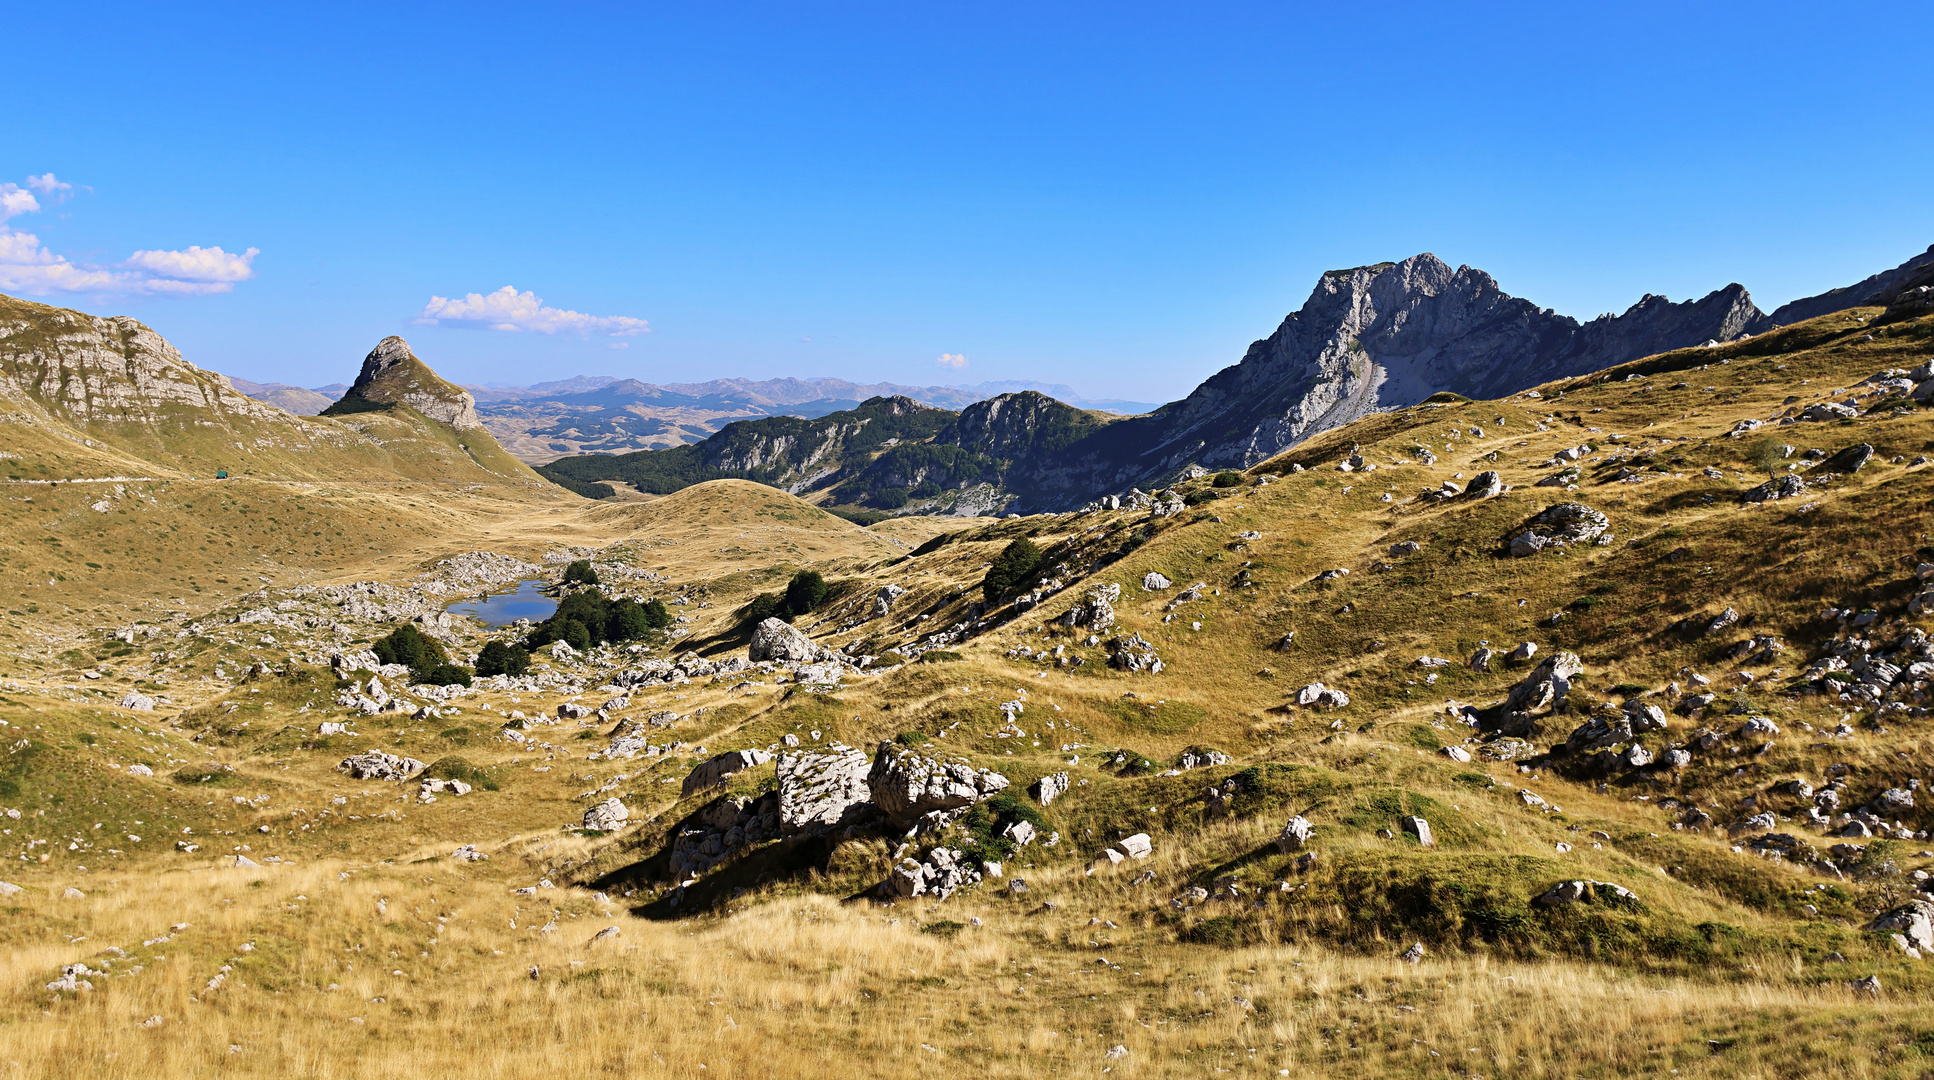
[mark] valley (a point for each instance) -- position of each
(1006, 793)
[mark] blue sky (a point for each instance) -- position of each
(1115, 196)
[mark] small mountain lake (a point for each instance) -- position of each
(502, 609)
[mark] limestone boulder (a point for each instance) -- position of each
(780, 641)
(907, 785)
(822, 790)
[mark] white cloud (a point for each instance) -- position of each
(47, 185)
(955, 361)
(14, 201)
(196, 264)
(28, 266)
(509, 310)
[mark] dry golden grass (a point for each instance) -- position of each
(807, 987)
(790, 979)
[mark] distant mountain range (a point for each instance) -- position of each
(1370, 338)
(611, 415)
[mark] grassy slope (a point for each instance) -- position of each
(1720, 973)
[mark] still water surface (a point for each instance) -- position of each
(502, 609)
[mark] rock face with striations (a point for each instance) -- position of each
(1393, 334)
(89, 370)
(393, 376)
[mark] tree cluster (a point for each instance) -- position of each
(423, 654)
(804, 593)
(588, 617)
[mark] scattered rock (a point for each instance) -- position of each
(376, 765)
(1414, 954)
(943, 872)
(1484, 485)
(778, 640)
(718, 770)
(1295, 834)
(1784, 487)
(137, 701)
(607, 816)
(1318, 696)
(1155, 582)
(907, 785)
(1095, 612)
(1133, 654)
(1418, 828)
(1850, 460)
(1828, 410)
(1050, 787)
(1589, 892)
(1559, 526)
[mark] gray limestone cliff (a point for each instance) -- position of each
(392, 376)
(1386, 336)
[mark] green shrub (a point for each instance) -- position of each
(1228, 479)
(575, 634)
(445, 674)
(657, 615)
(503, 658)
(763, 606)
(628, 621)
(805, 592)
(1013, 568)
(580, 573)
(913, 738)
(411, 647)
(943, 928)
(888, 659)
(939, 656)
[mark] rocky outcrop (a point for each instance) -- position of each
(393, 376)
(722, 768)
(819, 791)
(377, 765)
(1877, 291)
(776, 639)
(1563, 525)
(608, 816)
(907, 786)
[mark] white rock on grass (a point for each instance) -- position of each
(778, 640)
(1050, 787)
(819, 791)
(907, 785)
(607, 816)
(1295, 834)
(377, 765)
(717, 771)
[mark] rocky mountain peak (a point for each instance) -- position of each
(392, 375)
(1391, 334)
